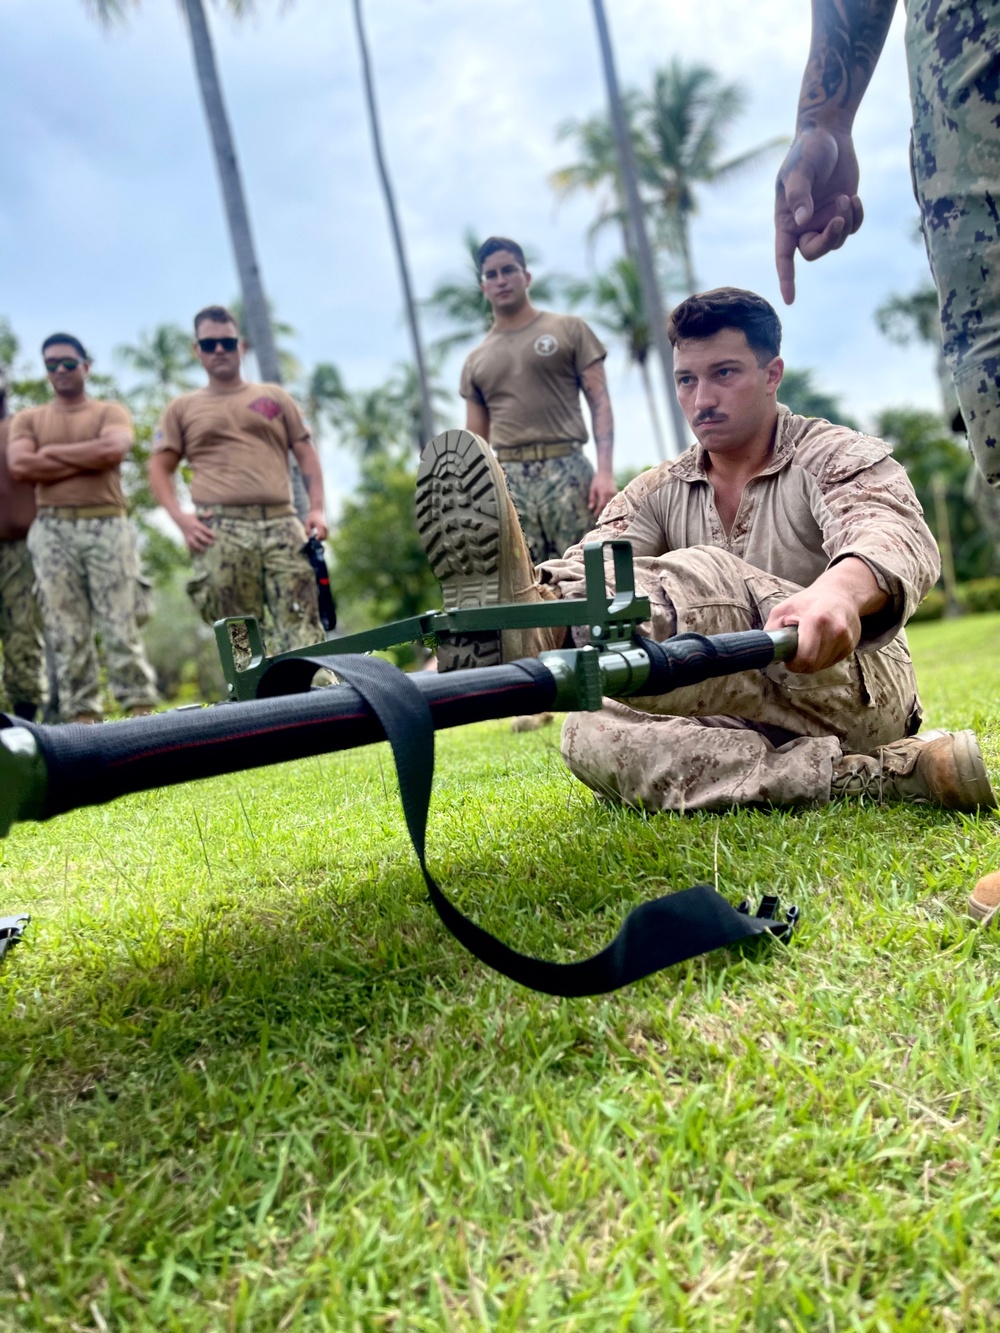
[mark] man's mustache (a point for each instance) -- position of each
(708, 416)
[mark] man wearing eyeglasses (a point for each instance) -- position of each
(82, 544)
(522, 388)
(245, 539)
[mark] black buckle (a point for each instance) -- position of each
(768, 911)
(11, 931)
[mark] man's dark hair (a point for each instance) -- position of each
(218, 314)
(705, 314)
(75, 343)
(494, 243)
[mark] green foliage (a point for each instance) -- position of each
(801, 395)
(678, 129)
(914, 317)
(923, 445)
(370, 421)
(248, 1082)
(180, 646)
(379, 571)
(165, 359)
(976, 597)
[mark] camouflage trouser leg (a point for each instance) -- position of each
(20, 626)
(88, 581)
(953, 51)
(256, 566)
(753, 738)
(550, 497)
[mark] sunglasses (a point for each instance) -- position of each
(209, 345)
(62, 363)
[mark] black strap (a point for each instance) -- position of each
(653, 936)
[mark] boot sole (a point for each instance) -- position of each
(461, 513)
(972, 774)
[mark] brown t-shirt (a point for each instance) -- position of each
(529, 379)
(56, 424)
(237, 442)
(17, 498)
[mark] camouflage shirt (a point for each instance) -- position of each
(827, 493)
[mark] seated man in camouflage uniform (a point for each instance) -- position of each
(769, 520)
(522, 388)
(82, 544)
(20, 617)
(244, 536)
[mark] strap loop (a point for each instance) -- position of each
(653, 936)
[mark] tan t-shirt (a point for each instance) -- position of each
(237, 442)
(56, 424)
(529, 379)
(17, 498)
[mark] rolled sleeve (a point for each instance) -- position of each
(873, 514)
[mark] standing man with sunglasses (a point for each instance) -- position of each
(245, 539)
(81, 542)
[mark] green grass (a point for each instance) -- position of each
(248, 1082)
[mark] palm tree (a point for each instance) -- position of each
(237, 215)
(289, 363)
(684, 120)
(652, 297)
(426, 406)
(619, 308)
(258, 322)
(164, 357)
(596, 168)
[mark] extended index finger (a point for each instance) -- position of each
(785, 244)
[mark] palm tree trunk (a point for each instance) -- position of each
(651, 295)
(426, 410)
(654, 415)
(255, 311)
(251, 288)
(690, 281)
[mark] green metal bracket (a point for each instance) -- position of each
(612, 621)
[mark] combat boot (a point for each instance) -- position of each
(942, 768)
(984, 900)
(469, 528)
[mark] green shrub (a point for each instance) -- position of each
(980, 595)
(931, 608)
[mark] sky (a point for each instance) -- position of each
(110, 211)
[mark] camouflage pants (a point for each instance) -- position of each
(953, 52)
(550, 497)
(256, 565)
(88, 581)
(20, 626)
(755, 738)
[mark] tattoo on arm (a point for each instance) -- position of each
(847, 40)
(595, 389)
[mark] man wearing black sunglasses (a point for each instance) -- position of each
(245, 539)
(82, 544)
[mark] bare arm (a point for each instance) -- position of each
(26, 464)
(828, 614)
(197, 535)
(105, 451)
(817, 205)
(477, 419)
(595, 390)
(312, 478)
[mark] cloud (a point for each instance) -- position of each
(112, 219)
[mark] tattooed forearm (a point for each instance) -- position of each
(595, 389)
(847, 40)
